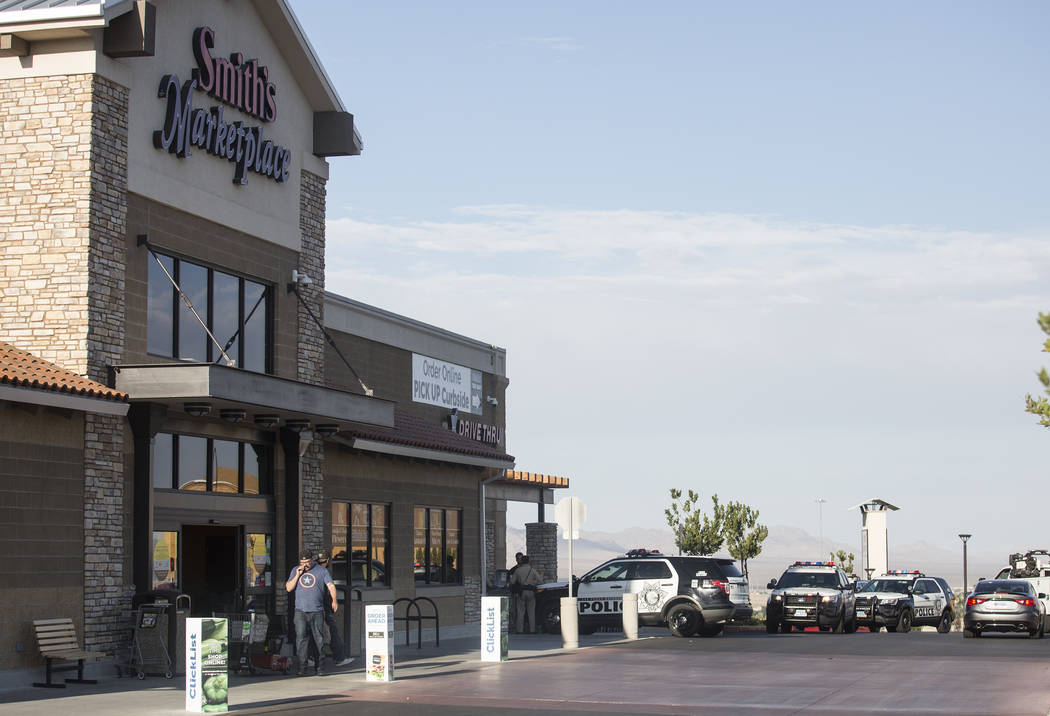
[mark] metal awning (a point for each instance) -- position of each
(259, 395)
(392, 448)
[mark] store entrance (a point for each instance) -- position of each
(211, 572)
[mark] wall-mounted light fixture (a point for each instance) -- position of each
(233, 415)
(197, 410)
(267, 421)
(297, 426)
(326, 430)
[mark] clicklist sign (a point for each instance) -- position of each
(447, 385)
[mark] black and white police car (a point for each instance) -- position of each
(691, 595)
(899, 600)
(811, 594)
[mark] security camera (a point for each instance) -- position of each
(492, 400)
(301, 278)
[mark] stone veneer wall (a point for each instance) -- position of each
(311, 351)
(63, 142)
(107, 589)
(45, 145)
(471, 600)
(541, 545)
(490, 548)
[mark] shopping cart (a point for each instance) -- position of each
(265, 646)
(238, 629)
(149, 649)
(251, 649)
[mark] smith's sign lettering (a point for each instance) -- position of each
(240, 84)
(244, 85)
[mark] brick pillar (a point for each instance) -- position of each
(107, 586)
(490, 548)
(310, 368)
(541, 545)
(471, 600)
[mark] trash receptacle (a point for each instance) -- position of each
(172, 622)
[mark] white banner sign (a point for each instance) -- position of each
(379, 642)
(448, 385)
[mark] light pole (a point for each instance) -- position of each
(820, 521)
(964, 538)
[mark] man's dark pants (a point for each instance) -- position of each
(314, 621)
(338, 650)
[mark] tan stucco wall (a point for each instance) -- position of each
(201, 183)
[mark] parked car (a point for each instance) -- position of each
(691, 595)
(1004, 605)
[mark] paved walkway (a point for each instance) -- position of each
(751, 673)
(270, 691)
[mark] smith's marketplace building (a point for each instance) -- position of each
(183, 406)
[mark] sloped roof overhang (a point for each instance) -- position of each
(412, 436)
(175, 384)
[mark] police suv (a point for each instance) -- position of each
(811, 594)
(691, 595)
(899, 600)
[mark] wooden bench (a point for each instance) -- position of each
(57, 639)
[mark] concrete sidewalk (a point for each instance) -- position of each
(156, 695)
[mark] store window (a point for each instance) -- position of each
(436, 548)
(259, 554)
(360, 544)
(166, 560)
(236, 310)
(188, 462)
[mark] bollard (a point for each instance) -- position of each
(494, 629)
(570, 632)
(630, 615)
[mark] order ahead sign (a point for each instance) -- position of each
(448, 385)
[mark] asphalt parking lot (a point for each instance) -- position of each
(758, 673)
(741, 673)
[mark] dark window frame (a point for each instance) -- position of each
(370, 542)
(442, 570)
(207, 312)
(266, 476)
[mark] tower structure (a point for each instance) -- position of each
(874, 541)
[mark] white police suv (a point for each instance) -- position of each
(691, 595)
(811, 594)
(899, 600)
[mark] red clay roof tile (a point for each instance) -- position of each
(23, 369)
(535, 478)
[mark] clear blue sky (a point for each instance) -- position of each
(775, 251)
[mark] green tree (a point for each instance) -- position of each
(1041, 406)
(744, 536)
(843, 560)
(694, 531)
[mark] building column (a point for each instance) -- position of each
(541, 545)
(145, 420)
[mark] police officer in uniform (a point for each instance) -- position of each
(527, 578)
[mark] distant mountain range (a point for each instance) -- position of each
(783, 546)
